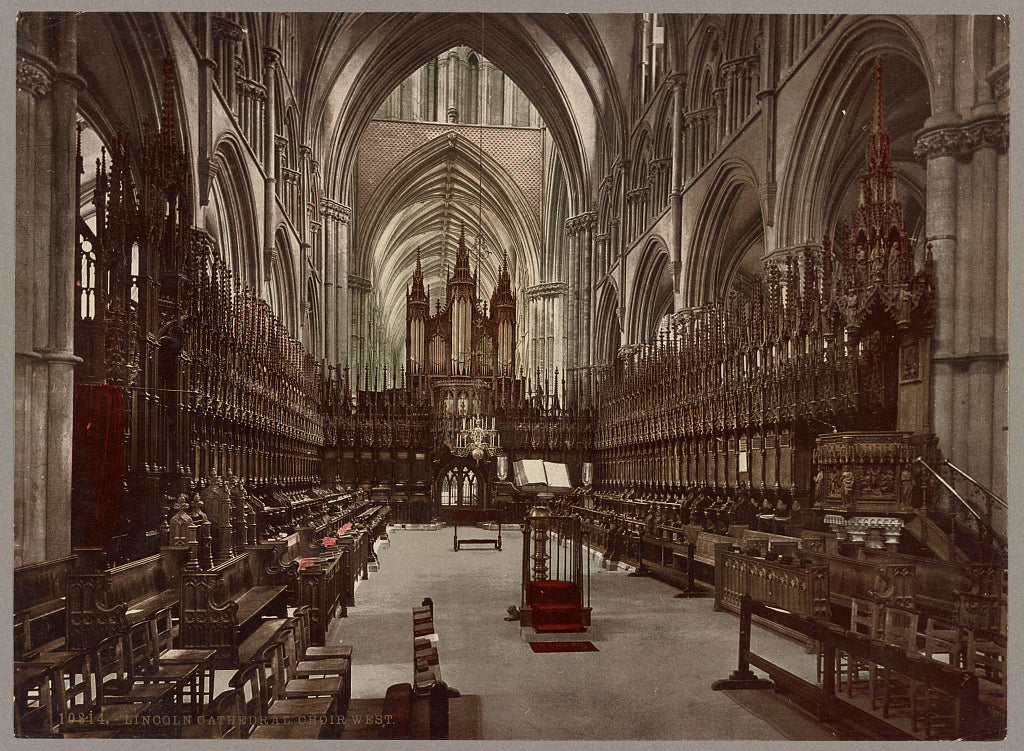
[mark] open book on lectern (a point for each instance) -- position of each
(538, 475)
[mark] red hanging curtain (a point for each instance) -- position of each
(96, 463)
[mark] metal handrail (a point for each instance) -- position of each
(981, 520)
(976, 484)
(950, 488)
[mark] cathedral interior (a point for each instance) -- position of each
(648, 372)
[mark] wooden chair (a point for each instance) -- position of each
(278, 714)
(33, 705)
(943, 641)
(900, 631)
(186, 679)
(337, 687)
(326, 661)
(80, 706)
(248, 684)
(985, 656)
(305, 650)
(162, 636)
(117, 676)
(866, 619)
(222, 718)
(277, 706)
(939, 713)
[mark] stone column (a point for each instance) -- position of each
(587, 222)
(271, 59)
(341, 286)
(573, 293)
(936, 144)
(678, 84)
(966, 190)
(47, 102)
(330, 245)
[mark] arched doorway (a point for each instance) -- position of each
(458, 486)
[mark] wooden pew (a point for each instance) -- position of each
(326, 581)
(936, 582)
(40, 606)
(887, 582)
(321, 586)
(357, 543)
(106, 601)
(798, 587)
(224, 608)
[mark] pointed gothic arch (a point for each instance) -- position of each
(730, 223)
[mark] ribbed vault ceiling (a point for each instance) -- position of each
(423, 203)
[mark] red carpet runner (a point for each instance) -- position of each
(544, 647)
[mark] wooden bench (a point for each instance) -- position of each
(40, 606)
(426, 664)
(103, 602)
(225, 608)
(476, 516)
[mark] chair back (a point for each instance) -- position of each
(162, 631)
(986, 659)
(301, 622)
(942, 637)
(866, 618)
(271, 666)
(76, 685)
(142, 648)
(226, 715)
(900, 628)
(33, 707)
(249, 682)
(113, 664)
(289, 652)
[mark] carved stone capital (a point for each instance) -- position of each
(34, 77)
(252, 89)
(331, 209)
(548, 289)
(359, 283)
(581, 222)
(227, 30)
(271, 57)
(962, 141)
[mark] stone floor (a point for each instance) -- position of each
(650, 679)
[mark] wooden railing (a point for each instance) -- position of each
(799, 587)
(961, 686)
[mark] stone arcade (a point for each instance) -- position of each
(295, 292)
